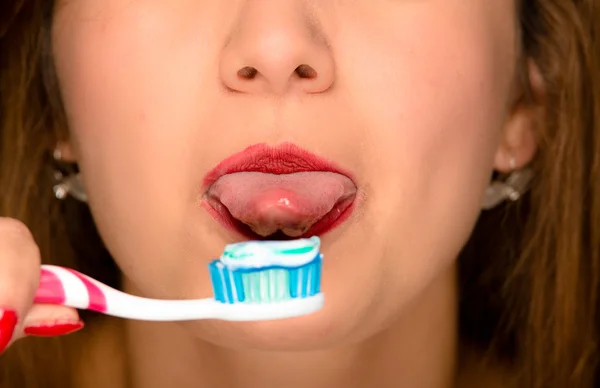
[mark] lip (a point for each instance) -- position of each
(286, 158)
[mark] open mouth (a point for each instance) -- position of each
(278, 193)
(278, 229)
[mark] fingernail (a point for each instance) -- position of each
(53, 329)
(8, 321)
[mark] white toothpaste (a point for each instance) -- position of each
(257, 254)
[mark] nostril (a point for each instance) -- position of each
(302, 71)
(306, 71)
(247, 72)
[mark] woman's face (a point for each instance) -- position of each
(408, 99)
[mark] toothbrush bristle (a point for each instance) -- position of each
(265, 285)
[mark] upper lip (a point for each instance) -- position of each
(285, 158)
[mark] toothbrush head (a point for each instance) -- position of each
(281, 276)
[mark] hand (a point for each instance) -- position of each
(19, 280)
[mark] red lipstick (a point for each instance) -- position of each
(278, 193)
(286, 158)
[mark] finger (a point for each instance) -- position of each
(44, 320)
(19, 275)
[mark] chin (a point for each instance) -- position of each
(341, 321)
(312, 332)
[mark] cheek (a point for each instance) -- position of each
(134, 114)
(432, 102)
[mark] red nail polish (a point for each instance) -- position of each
(8, 321)
(53, 330)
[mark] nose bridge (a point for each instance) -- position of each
(275, 45)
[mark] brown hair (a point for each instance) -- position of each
(529, 276)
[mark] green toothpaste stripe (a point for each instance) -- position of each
(240, 253)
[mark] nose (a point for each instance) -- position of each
(276, 47)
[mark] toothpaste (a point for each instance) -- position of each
(258, 254)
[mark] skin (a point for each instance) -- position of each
(414, 97)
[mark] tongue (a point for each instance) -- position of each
(290, 203)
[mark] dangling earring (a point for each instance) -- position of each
(511, 189)
(67, 183)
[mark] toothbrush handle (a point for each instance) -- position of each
(67, 287)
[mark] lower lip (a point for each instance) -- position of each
(340, 213)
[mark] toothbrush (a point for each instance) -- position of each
(252, 281)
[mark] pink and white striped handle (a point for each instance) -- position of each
(68, 287)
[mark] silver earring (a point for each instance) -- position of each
(516, 184)
(67, 184)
